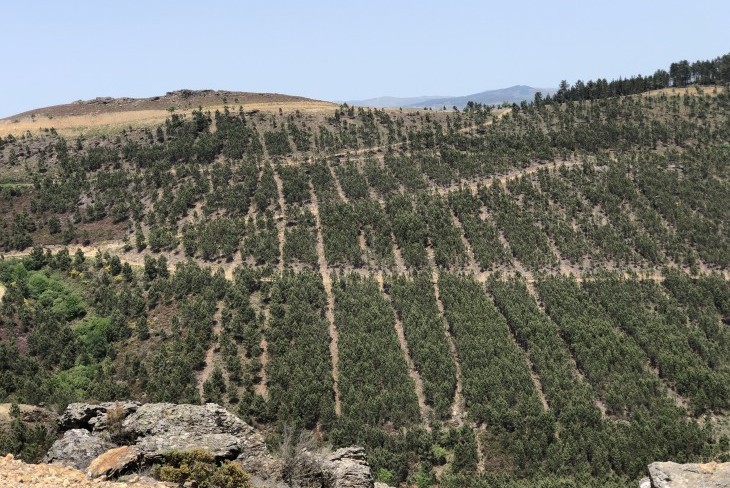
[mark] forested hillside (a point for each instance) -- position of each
(534, 295)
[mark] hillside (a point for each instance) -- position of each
(111, 115)
(536, 294)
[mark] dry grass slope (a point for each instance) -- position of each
(110, 115)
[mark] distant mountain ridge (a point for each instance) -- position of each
(394, 102)
(512, 94)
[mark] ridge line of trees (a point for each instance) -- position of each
(680, 74)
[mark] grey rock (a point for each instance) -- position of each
(153, 430)
(160, 418)
(348, 468)
(221, 446)
(92, 416)
(157, 428)
(77, 448)
(673, 475)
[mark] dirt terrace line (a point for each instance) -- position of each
(412, 370)
(330, 306)
(458, 406)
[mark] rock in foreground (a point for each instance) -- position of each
(109, 440)
(673, 475)
(14, 473)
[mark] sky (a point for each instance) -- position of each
(56, 52)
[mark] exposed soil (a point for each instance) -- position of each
(474, 184)
(261, 388)
(330, 307)
(338, 186)
(459, 406)
(281, 221)
(28, 413)
(412, 371)
(472, 264)
(179, 99)
(107, 115)
(212, 353)
(15, 473)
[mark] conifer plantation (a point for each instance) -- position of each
(521, 295)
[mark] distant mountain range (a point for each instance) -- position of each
(513, 94)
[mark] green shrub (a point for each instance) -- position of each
(199, 465)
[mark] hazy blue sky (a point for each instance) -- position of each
(59, 51)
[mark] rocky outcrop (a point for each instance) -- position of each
(158, 428)
(150, 431)
(110, 439)
(348, 468)
(673, 475)
(93, 416)
(77, 448)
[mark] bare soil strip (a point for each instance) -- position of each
(412, 371)
(579, 376)
(257, 302)
(472, 264)
(364, 248)
(262, 386)
(478, 431)
(519, 267)
(459, 406)
(400, 265)
(474, 184)
(211, 355)
(136, 259)
(281, 222)
(533, 375)
(330, 307)
(338, 186)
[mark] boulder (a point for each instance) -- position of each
(155, 429)
(77, 448)
(92, 416)
(673, 475)
(114, 462)
(348, 468)
(161, 418)
(221, 446)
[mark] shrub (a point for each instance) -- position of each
(199, 466)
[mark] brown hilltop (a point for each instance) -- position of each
(107, 114)
(179, 99)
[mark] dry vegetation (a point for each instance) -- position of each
(108, 115)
